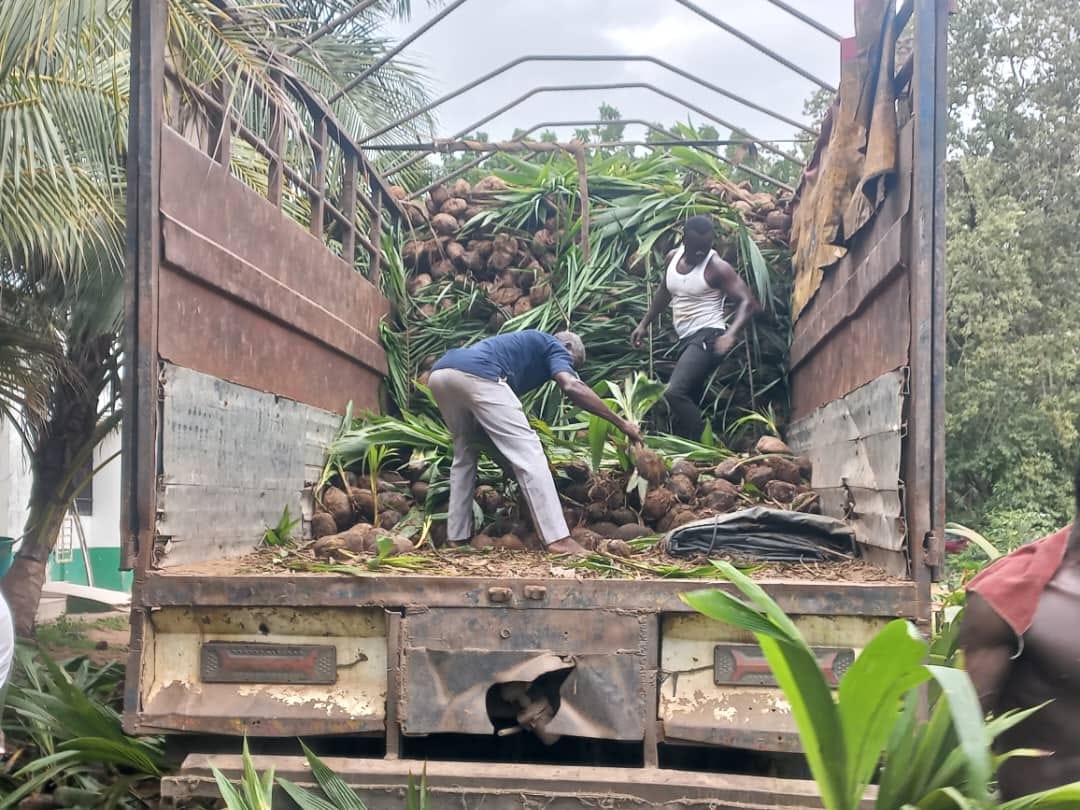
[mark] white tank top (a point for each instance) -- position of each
(695, 305)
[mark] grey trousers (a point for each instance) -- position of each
(473, 406)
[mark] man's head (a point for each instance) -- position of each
(573, 345)
(698, 236)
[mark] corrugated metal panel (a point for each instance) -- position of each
(855, 443)
(232, 459)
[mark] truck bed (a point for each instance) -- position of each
(501, 564)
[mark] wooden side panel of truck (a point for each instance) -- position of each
(246, 336)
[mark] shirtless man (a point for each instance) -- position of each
(699, 285)
(1022, 648)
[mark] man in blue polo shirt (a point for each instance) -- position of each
(477, 390)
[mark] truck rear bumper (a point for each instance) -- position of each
(381, 784)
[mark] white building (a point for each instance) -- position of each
(95, 518)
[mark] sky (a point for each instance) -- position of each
(482, 35)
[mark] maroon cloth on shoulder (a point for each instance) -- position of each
(1014, 584)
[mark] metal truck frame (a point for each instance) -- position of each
(243, 330)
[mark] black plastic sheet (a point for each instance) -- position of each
(768, 535)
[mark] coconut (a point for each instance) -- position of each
(806, 467)
(687, 468)
(437, 534)
(482, 247)
(490, 183)
(395, 501)
(323, 525)
(489, 499)
(505, 243)
(454, 252)
(522, 305)
(579, 493)
(770, 446)
(759, 475)
(417, 283)
(505, 296)
(337, 504)
(398, 192)
(587, 538)
(539, 293)
(472, 261)
(597, 511)
(410, 253)
(402, 545)
(742, 206)
(432, 206)
(482, 541)
(631, 531)
(778, 220)
(438, 195)
(785, 469)
(461, 188)
(442, 269)
(444, 224)
(679, 516)
(500, 260)
(658, 503)
(649, 465)
(615, 547)
(363, 502)
(720, 495)
(605, 528)
(577, 471)
(781, 491)
(419, 491)
(623, 516)
(543, 241)
(525, 278)
(357, 540)
(455, 207)
(389, 518)
(572, 515)
(683, 488)
(509, 542)
(416, 214)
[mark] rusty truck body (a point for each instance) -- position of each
(245, 337)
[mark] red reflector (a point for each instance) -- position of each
(746, 665)
(231, 662)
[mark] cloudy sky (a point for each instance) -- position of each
(482, 35)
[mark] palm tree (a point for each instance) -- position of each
(63, 135)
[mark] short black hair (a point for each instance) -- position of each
(700, 225)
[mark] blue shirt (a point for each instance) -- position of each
(526, 359)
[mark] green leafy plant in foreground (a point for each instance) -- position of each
(255, 791)
(873, 722)
(61, 720)
(281, 534)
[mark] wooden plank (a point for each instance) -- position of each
(246, 348)
(226, 272)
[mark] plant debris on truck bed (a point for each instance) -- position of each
(647, 563)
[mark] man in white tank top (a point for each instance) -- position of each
(700, 286)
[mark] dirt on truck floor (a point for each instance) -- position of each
(646, 563)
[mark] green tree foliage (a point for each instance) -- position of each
(1013, 302)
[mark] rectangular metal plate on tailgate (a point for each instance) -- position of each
(249, 662)
(746, 665)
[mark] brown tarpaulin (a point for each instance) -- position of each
(842, 185)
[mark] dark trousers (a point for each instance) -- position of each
(697, 360)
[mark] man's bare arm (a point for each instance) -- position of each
(586, 399)
(722, 276)
(988, 644)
